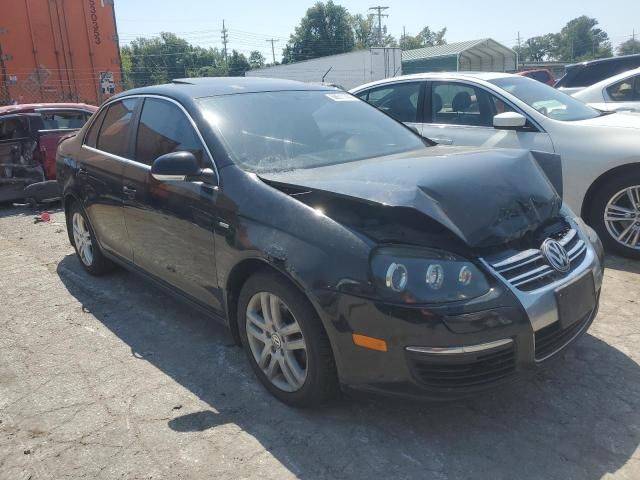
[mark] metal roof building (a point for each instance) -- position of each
(474, 55)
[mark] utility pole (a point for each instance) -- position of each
(225, 40)
(272, 41)
(518, 52)
(380, 9)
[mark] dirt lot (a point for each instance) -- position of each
(110, 378)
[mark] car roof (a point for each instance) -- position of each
(486, 76)
(191, 88)
(32, 107)
(602, 60)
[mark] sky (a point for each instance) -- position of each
(251, 23)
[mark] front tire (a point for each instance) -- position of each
(285, 341)
(84, 242)
(615, 215)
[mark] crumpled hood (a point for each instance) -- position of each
(485, 197)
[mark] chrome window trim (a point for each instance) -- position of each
(117, 157)
(159, 97)
(461, 350)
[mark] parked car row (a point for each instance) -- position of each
(341, 248)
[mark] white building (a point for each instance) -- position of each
(347, 69)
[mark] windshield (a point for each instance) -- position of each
(288, 130)
(547, 100)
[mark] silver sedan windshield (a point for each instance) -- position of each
(288, 130)
(547, 100)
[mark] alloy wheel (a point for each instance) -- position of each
(276, 341)
(622, 217)
(82, 239)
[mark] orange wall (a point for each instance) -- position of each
(72, 41)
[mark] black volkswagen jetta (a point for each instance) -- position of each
(337, 245)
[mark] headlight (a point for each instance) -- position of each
(419, 275)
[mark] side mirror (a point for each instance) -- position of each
(509, 121)
(175, 166)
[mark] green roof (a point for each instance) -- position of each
(454, 49)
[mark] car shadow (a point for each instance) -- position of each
(580, 418)
(622, 264)
(14, 210)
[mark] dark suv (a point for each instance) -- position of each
(337, 245)
(585, 74)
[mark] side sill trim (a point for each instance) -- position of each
(461, 350)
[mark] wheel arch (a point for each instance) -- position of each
(239, 275)
(602, 180)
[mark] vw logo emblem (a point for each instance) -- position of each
(276, 341)
(556, 255)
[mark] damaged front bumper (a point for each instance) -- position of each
(450, 351)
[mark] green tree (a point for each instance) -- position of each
(426, 38)
(363, 30)
(150, 61)
(432, 38)
(629, 47)
(580, 40)
(538, 49)
(256, 59)
(326, 29)
(237, 64)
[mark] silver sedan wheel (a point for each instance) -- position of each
(276, 341)
(622, 217)
(82, 239)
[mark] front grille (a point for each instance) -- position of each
(528, 270)
(465, 370)
(553, 338)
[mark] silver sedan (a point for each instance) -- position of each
(600, 150)
(620, 93)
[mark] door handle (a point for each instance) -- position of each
(443, 140)
(82, 173)
(129, 192)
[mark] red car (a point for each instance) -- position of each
(29, 136)
(541, 74)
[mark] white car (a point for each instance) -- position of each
(600, 151)
(619, 93)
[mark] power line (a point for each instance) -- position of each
(225, 39)
(380, 9)
(273, 48)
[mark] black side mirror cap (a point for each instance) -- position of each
(175, 166)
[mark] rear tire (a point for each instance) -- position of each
(84, 242)
(615, 215)
(285, 341)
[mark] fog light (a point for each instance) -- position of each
(397, 277)
(465, 276)
(435, 276)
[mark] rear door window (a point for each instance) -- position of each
(114, 131)
(164, 128)
(63, 120)
(92, 135)
(399, 101)
(627, 90)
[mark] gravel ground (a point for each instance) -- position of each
(110, 378)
